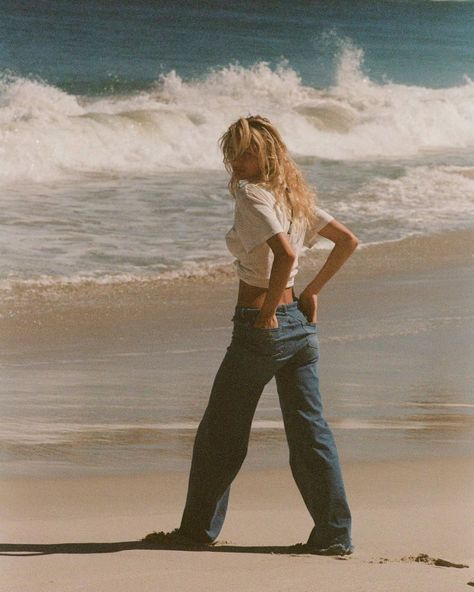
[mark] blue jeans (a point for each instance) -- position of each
(291, 354)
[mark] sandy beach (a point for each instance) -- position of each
(75, 525)
(117, 289)
(84, 534)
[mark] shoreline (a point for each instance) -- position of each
(29, 301)
(107, 385)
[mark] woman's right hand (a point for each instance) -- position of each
(308, 304)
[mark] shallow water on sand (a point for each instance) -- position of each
(119, 384)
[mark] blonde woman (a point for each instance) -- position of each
(275, 335)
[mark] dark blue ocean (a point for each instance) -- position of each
(108, 47)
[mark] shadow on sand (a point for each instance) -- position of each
(27, 550)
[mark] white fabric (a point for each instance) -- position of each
(258, 217)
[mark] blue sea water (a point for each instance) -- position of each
(116, 107)
(103, 47)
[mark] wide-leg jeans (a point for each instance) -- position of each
(291, 354)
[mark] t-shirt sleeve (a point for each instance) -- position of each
(255, 217)
(311, 235)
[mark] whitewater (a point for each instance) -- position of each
(124, 187)
(48, 134)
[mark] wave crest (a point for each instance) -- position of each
(46, 133)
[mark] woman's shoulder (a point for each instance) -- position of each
(255, 192)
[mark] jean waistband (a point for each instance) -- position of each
(282, 309)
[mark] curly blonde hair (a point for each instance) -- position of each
(279, 173)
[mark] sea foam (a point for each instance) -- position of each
(46, 133)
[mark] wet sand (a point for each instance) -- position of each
(397, 343)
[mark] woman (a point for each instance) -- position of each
(275, 334)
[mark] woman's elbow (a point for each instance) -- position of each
(287, 255)
(349, 241)
(354, 242)
(290, 256)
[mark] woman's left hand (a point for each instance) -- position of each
(266, 322)
(308, 304)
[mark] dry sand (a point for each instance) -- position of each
(83, 533)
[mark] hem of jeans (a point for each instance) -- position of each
(198, 540)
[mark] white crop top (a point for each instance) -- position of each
(257, 217)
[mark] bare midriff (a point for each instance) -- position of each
(254, 297)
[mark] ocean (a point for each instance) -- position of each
(110, 114)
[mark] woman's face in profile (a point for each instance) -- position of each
(246, 167)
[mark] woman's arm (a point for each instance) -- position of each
(345, 243)
(283, 260)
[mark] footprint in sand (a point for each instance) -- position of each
(424, 558)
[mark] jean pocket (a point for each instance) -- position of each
(311, 328)
(267, 329)
(246, 326)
